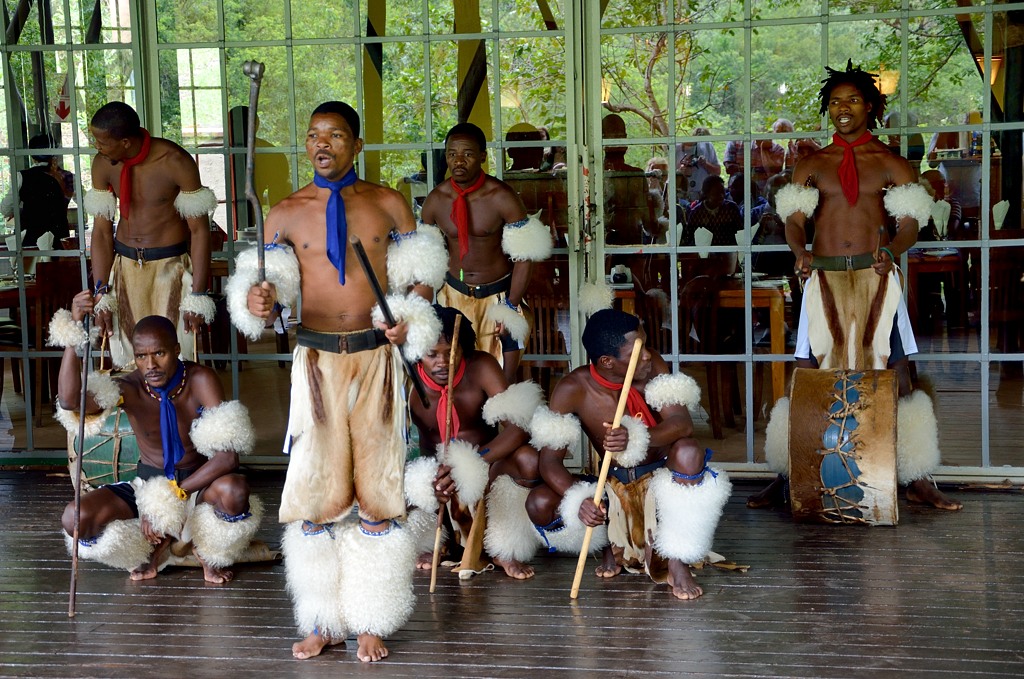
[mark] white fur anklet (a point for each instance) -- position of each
(220, 540)
(687, 515)
(313, 576)
(376, 579)
(121, 545)
(917, 438)
(776, 438)
(510, 535)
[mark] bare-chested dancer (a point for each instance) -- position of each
(658, 465)
(852, 187)
(492, 245)
(478, 452)
(157, 261)
(189, 440)
(345, 428)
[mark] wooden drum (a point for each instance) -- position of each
(842, 446)
(109, 457)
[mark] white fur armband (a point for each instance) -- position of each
(909, 200)
(527, 242)
(200, 305)
(65, 331)
(419, 483)
(637, 445)
(670, 390)
(199, 203)
(100, 204)
(595, 296)
(513, 321)
(554, 430)
(282, 270)
(424, 327)
(469, 470)
(515, 405)
(107, 395)
(158, 501)
(793, 198)
(226, 427)
(419, 257)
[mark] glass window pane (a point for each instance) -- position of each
(1006, 414)
(192, 22)
(403, 17)
(938, 280)
(713, 89)
(945, 85)
(530, 15)
(275, 102)
(323, 73)
(532, 72)
(258, 21)
(955, 389)
(404, 98)
(783, 9)
(785, 77)
(1005, 292)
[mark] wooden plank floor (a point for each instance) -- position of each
(940, 595)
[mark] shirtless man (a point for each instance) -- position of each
(851, 187)
(158, 259)
(492, 245)
(656, 462)
(478, 453)
(345, 429)
(189, 440)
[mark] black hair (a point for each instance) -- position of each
(468, 130)
(865, 84)
(467, 336)
(118, 119)
(41, 141)
(159, 327)
(708, 182)
(342, 109)
(606, 333)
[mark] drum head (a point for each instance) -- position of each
(109, 457)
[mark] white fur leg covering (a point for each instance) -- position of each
(221, 542)
(514, 322)
(282, 269)
(121, 545)
(515, 405)
(419, 483)
(417, 257)
(776, 438)
(376, 579)
(687, 515)
(595, 296)
(158, 502)
(469, 471)
(313, 576)
(510, 535)
(423, 525)
(917, 438)
(424, 327)
(570, 538)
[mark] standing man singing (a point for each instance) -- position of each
(157, 260)
(492, 245)
(853, 315)
(346, 425)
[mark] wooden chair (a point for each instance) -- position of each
(56, 284)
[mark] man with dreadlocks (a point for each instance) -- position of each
(851, 187)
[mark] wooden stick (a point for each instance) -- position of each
(77, 478)
(606, 463)
(254, 71)
(447, 435)
(878, 243)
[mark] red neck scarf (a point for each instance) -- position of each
(460, 211)
(126, 173)
(442, 403)
(635, 403)
(848, 166)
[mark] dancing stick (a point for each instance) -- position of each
(878, 243)
(254, 71)
(79, 452)
(447, 435)
(606, 463)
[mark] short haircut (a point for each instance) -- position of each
(342, 109)
(467, 336)
(865, 84)
(606, 333)
(41, 141)
(710, 181)
(118, 119)
(468, 130)
(159, 327)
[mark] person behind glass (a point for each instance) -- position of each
(44, 191)
(736, 192)
(628, 220)
(935, 183)
(524, 158)
(696, 160)
(768, 158)
(715, 213)
(915, 142)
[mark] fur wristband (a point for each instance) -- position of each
(225, 427)
(282, 268)
(424, 327)
(637, 445)
(159, 503)
(199, 305)
(529, 242)
(595, 296)
(65, 331)
(513, 321)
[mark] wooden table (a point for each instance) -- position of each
(773, 299)
(928, 262)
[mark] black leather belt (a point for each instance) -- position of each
(503, 284)
(338, 343)
(630, 474)
(150, 254)
(843, 262)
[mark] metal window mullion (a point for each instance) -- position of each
(984, 226)
(495, 101)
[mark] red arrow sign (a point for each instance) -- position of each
(62, 109)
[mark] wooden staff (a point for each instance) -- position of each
(447, 435)
(606, 463)
(254, 71)
(77, 479)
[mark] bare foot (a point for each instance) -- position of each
(680, 579)
(146, 571)
(609, 567)
(313, 645)
(216, 576)
(371, 648)
(515, 569)
(772, 496)
(923, 492)
(425, 561)
(149, 570)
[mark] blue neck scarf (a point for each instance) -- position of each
(170, 438)
(337, 225)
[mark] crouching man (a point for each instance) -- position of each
(189, 442)
(664, 502)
